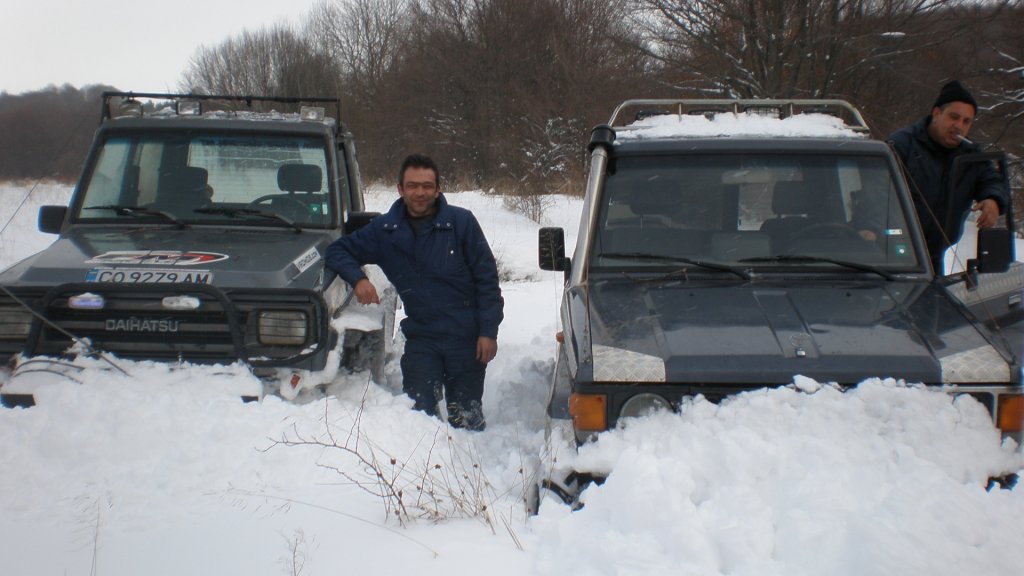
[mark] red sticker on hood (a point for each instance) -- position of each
(157, 257)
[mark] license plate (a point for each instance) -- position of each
(148, 276)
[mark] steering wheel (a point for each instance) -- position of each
(827, 230)
(290, 207)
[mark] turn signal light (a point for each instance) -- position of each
(589, 411)
(1011, 413)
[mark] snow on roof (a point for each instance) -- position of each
(728, 124)
(169, 112)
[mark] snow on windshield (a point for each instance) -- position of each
(725, 124)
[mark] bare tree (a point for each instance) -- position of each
(999, 78)
(503, 92)
(508, 88)
(781, 48)
(46, 133)
(271, 61)
(496, 89)
(365, 38)
(366, 41)
(999, 75)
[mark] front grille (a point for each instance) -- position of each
(133, 323)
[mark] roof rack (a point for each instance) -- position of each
(107, 97)
(632, 110)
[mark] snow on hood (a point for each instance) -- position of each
(728, 124)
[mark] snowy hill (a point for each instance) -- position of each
(161, 472)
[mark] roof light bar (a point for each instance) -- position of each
(190, 108)
(129, 108)
(312, 113)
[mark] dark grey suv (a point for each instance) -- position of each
(731, 245)
(196, 233)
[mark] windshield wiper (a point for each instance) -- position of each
(678, 260)
(244, 212)
(139, 211)
(815, 259)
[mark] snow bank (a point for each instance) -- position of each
(161, 473)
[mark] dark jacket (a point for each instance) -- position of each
(446, 275)
(928, 166)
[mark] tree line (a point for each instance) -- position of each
(46, 133)
(503, 93)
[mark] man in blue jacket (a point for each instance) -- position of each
(927, 150)
(440, 263)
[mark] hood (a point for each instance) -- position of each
(766, 333)
(232, 258)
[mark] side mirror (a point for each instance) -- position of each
(995, 245)
(51, 218)
(995, 251)
(357, 220)
(551, 250)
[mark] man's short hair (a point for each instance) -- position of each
(419, 161)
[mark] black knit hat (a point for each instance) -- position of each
(954, 91)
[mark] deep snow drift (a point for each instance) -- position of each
(160, 472)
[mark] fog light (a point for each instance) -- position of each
(15, 323)
(642, 405)
(282, 327)
(86, 301)
(589, 411)
(180, 303)
(1011, 413)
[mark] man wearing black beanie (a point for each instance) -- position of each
(927, 149)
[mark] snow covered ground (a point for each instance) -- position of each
(161, 472)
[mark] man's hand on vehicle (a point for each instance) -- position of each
(366, 293)
(486, 349)
(988, 213)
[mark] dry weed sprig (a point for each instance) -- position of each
(441, 477)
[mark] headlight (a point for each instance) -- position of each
(15, 323)
(642, 405)
(282, 327)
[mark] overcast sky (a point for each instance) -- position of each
(142, 46)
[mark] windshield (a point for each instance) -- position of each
(753, 211)
(196, 178)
